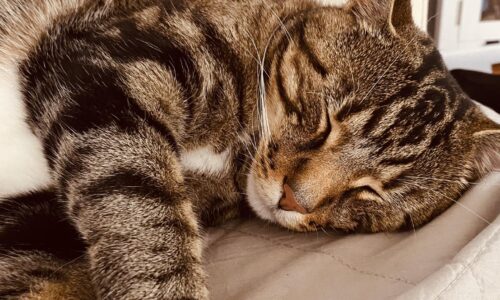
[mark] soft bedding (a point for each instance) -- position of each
(456, 256)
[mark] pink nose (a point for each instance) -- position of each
(289, 202)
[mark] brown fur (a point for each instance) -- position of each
(409, 169)
(74, 285)
(352, 108)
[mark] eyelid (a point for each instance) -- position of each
(363, 189)
(370, 189)
(371, 183)
(319, 140)
(359, 189)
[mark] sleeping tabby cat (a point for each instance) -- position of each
(158, 117)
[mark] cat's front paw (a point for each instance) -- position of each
(158, 288)
(172, 285)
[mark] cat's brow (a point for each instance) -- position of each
(320, 139)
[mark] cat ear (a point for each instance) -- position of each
(391, 14)
(401, 14)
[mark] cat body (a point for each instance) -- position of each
(170, 73)
(211, 113)
(156, 118)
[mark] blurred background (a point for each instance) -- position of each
(467, 32)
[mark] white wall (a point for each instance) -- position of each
(420, 8)
(420, 13)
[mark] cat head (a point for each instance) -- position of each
(366, 130)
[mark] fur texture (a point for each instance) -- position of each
(158, 117)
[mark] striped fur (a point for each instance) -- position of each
(158, 117)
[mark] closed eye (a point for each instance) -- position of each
(358, 191)
(320, 139)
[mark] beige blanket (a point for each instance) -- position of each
(456, 256)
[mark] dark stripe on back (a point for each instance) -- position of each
(38, 221)
(98, 101)
(225, 54)
(408, 222)
(133, 45)
(172, 56)
(99, 105)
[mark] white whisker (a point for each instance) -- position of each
(437, 179)
(457, 202)
(466, 208)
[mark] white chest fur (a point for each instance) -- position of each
(22, 164)
(205, 160)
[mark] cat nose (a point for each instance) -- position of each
(289, 202)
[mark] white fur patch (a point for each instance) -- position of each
(23, 166)
(257, 203)
(205, 160)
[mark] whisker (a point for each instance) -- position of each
(463, 183)
(408, 211)
(68, 263)
(289, 36)
(457, 202)
(262, 113)
(466, 208)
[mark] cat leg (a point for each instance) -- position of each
(125, 193)
(41, 254)
(37, 275)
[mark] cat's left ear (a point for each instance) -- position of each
(379, 14)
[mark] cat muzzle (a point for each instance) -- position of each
(288, 201)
